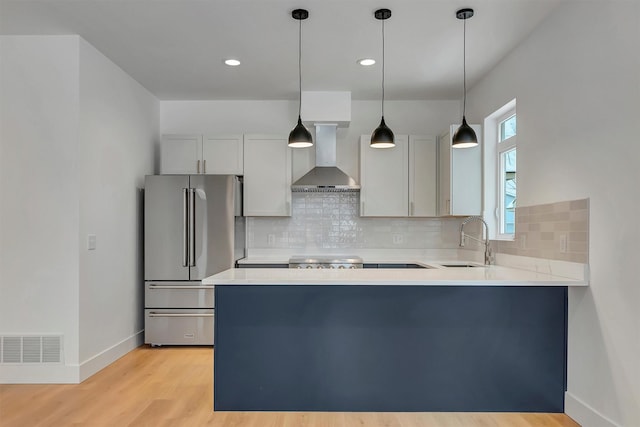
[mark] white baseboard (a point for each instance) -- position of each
(58, 373)
(584, 414)
(110, 355)
(45, 373)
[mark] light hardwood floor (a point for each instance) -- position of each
(172, 386)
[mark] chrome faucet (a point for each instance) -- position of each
(487, 250)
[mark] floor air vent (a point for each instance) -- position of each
(31, 349)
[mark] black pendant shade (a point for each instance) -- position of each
(382, 136)
(300, 137)
(465, 136)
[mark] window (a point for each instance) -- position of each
(499, 153)
(508, 128)
(507, 175)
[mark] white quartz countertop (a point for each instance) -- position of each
(492, 275)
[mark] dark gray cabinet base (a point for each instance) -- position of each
(390, 348)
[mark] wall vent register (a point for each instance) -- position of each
(330, 262)
(30, 349)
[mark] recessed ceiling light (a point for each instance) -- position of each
(366, 62)
(232, 62)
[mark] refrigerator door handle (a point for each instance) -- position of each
(192, 227)
(185, 239)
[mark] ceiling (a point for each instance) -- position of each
(176, 48)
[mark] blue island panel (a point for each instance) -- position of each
(390, 348)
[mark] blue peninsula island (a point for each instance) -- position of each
(476, 339)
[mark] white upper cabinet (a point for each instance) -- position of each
(384, 185)
(180, 154)
(223, 155)
(399, 181)
(460, 176)
(197, 154)
(423, 179)
(267, 176)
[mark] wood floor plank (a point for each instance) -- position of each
(172, 387)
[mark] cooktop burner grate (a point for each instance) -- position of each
(325, 261)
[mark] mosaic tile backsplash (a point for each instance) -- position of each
(332, 221)
(553, 231)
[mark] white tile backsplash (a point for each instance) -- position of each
(332, 221)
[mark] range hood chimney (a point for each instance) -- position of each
(325, 177)
(326, 111)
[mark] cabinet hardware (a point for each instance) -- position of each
(153, 314)
(198, 166)
(162, 287)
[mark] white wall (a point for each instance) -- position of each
(77, 136)
(119, 124)
(577, 84)
(279, 117)
(39, 173)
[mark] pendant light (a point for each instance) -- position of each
(300, 137)
(382, 136)
(465, 136)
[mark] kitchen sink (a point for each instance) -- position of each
(396, 265)
(461, 265)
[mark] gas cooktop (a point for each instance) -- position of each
(325, 261)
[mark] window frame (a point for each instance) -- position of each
(492, 152)
(504, 146)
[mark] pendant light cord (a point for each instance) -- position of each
(299, 67)
(383, 68)
(464, 66)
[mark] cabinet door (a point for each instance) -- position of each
(460, 176)
(267, 176)
(165, 228)
(222, 155)
(423, 176)
(444, 174)
(180, 154)
(384, 178)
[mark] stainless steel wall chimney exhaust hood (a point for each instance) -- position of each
(325, 177)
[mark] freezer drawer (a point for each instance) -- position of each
(178, 326)
(178, 295)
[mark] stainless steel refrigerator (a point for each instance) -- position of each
(193, 228)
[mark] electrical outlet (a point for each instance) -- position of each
(271, 239)
(398, 239)
(563, 243)
(523, 241)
